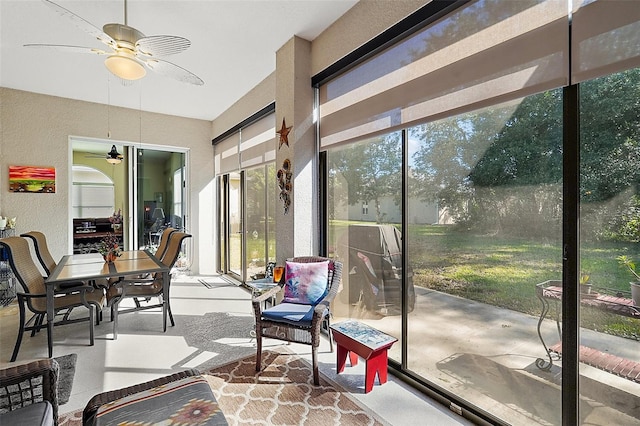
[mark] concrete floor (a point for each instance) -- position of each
(143, 352)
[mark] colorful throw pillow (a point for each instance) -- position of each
(305, 283)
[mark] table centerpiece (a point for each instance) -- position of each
(110, 248)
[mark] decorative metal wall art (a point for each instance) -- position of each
(284, 134)
(284, 182)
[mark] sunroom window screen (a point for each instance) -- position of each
(485, 52)
(258, 142)
(226, 158)
(252, 145)
(604, 46)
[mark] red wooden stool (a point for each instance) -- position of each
(357, 339)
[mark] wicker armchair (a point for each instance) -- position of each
(29, 392)
(307, 330)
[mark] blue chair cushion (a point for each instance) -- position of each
(305, 283)
(290, 313)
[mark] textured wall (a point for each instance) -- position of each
(35, 130)
(259, 97)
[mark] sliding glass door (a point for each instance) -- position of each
(260, 221)
(609, 235)
(244, 163)
(246, 221)
(235, 222)
(149, 187)
(160, 184)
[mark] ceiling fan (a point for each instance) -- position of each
(131, 53)
(113, 156)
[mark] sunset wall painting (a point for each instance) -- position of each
(32, 179)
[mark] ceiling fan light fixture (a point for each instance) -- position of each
(113, 156)
(125, 67)
(129, 52)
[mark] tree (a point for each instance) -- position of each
(492, 165)
(371, 170)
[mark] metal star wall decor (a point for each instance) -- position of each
(284, 176)
(284, 134)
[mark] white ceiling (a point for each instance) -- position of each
(233, 45)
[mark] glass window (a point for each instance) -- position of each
(93, 193)
(610, 236)
(370, 246)
(485, 192)
(235, 223)
(475, 97)
(260, 223)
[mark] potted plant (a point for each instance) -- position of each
(585, 285)
(116, 220)
(110, 248)
(628, 262)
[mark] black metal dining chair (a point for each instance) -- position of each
(164, 242)
(34, 295)
(139, 288)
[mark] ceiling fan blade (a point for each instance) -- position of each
(69, 49)
(162, 45)
(82, 24)
(172, 70)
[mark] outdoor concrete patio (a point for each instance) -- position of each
(487, 354)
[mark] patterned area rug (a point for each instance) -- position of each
(73, 418)
(281, 394)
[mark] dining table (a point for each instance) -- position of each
(90, 267)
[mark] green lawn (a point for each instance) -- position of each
(504, 271)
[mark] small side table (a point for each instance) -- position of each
(258, 287)
(355, 339)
